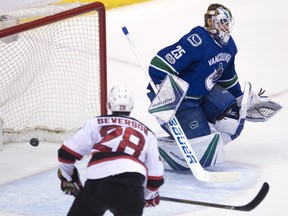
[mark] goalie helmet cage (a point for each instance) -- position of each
(53, 70)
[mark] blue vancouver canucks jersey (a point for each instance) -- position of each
(199, 60)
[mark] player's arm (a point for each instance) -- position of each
(67, 158)
(229, 80)
(155, 174)
(68, 174)
(73, 149)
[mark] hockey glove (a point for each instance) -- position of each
(72, 187)
(261, 108)
(153, 201)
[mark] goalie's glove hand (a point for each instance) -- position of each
(72, 187)
(154, 201)
(261, 108)
(261, 92)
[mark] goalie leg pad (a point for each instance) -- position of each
(209, 149)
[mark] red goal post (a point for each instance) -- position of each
(53, 71)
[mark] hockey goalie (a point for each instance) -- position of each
(215, 106)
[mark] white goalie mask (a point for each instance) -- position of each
(221, 24)
(120, 99)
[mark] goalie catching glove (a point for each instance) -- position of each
(261, 108)
(72, 187)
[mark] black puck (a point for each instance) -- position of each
(34, 142)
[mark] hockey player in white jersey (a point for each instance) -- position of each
(125, 171)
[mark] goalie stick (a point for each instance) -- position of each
(247, 207)
(181, 139)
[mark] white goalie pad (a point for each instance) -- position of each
(209, 149)
(261, 108)
(166, 102)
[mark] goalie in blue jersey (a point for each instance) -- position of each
(204, 58)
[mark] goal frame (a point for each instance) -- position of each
(86, 8)
(68, 14)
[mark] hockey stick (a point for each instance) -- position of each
(181, 139)
(247, 207)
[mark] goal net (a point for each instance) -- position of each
(52, 70)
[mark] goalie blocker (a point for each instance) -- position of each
(170, 94)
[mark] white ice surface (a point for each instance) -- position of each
(29, 185)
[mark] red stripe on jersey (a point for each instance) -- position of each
(70, 151)
(65, 161)
(152, 189)
(155, 178)
(111, 158)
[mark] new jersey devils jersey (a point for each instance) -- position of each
(117, 144)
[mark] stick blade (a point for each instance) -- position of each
(218, 177)
(248, 207)
(257, 200)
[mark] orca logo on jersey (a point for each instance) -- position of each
(213, 77)
(195, 40)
